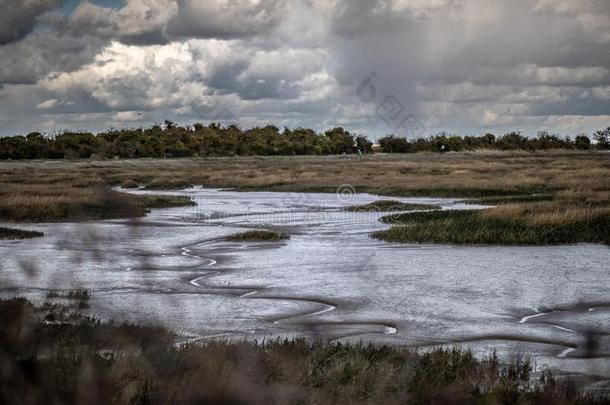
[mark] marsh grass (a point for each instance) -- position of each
(499, 227)
(390, 205)
(164, 183)
(56, 355)
(527, 188)
(130, 184)
(257, 236)
(163, 201)
(11, 233)
(62, 202)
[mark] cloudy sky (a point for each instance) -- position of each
(373, 66)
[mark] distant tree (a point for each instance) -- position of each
(602, 137)
(512, 140)
(582, 142)
(341, 140)
(488, 139)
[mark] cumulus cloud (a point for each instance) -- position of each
(138, 22)
(45, 51)
(19, 16)
(158, 21)
(226, 18)
(457, 65)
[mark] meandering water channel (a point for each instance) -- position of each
(330, 280)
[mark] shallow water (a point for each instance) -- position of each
(330, 280)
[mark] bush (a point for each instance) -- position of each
(582, 142)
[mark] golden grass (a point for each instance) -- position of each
(541, 187)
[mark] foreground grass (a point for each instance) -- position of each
(390, 205)
(10, 233)
(487, 227)
(77, 359)
(257, 236)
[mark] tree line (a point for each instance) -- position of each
(509, 141)
(171, 140)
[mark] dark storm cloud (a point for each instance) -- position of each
(18, 17)
(40, 53)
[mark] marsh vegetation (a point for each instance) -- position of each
(257, 236)
(498, 227)
(78, 359)
(11, 233)
(547, 194)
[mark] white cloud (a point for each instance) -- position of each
(45, 105)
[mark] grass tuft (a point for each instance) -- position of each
(257, 235)
(11, 233)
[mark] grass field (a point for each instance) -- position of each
(545, 192)
(52, 354)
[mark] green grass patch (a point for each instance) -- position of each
(468, 227)
(390, 205)
(257, 236)
(11, 233)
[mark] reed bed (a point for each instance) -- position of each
(53, 354)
